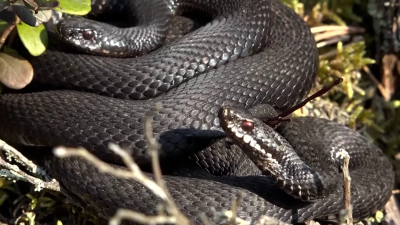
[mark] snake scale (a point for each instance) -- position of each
(251, 53)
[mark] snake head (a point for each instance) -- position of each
(242, 126)
(89, 36)
(235, 118)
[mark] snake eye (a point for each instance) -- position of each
(247, 126)
(88, 35)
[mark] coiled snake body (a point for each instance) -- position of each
(252, 52)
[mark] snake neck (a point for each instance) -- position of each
(276, 158)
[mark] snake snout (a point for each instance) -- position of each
(63, 32)
(227, 117)
(235, 121)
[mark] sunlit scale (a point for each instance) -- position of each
(247, 138)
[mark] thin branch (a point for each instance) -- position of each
(333, 41)
(325, 28)
(267, 220)
(346, 186)
(158, 186)
(311, 222)
(13, 154)
(7, 31)
(133, 173)
(333, 52)
(347, 216)
(330, 34)
(382, 89)
(388, 80)
(13, 172)
(229, 214)
(204, 219)
(153, 149)
(234, 207)
(141, 218)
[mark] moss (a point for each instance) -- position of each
(357, 96)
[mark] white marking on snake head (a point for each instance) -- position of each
(258, 147)
(253, 143)
(239, 134)
(234, 129)
(247, 138)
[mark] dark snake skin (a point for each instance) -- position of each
(253, 51)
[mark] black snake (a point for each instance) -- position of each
(252, 52)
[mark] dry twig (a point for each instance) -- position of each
(13, 172)
(267, 220)
(7, 32)
(347, 218)
(332, 34)
(157, 187)
(325, 28)
(385, 93)
(388, 80)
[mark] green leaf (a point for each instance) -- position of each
(75, 7)
(35, 39)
